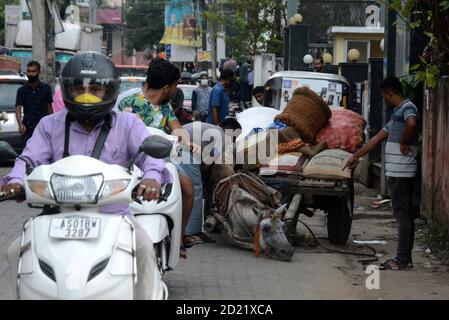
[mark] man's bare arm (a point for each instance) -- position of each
(215, 117)
(368, 147)
(409, 131)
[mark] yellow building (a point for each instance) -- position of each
(365, 40)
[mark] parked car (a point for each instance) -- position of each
(9, 84)
(334, 89)
(127, 83)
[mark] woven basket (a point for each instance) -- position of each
(307, 113)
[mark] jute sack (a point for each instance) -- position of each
(328, 164)
(307, 113)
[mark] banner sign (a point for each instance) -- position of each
(204, 56)
(182, 23)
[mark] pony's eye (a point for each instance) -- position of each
(266, 228)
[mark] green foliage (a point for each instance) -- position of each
(252, 26)
(437, 238)
(144, 24)
(432, 17)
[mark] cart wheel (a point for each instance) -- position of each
(339, 220)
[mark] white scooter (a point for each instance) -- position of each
(80, 253)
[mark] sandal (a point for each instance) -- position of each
(191, 240)
(392, 264)
(205, 237)
(182, 252)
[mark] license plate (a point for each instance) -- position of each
(75, 228)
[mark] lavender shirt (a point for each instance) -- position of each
(124, 139)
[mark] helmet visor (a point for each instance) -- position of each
(90, 91)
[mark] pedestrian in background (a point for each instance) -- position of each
(35, 98)
(244, 82)
(258, 94)
(219, 98)
(319, 64)
(200, 98)
(251, 79)
(58, 102)
(230, 64)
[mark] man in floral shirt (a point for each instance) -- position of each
(152, 105)
(153, 116)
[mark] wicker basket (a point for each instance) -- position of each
(307, 113)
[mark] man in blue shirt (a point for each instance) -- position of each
(219, 98)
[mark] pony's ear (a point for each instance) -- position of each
(281, 210)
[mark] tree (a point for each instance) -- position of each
(432, 17)
(3, 3)
(251, 26)
(144, 24)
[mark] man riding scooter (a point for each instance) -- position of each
(90, 85)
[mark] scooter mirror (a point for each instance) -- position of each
(156, 147)
(6, 151)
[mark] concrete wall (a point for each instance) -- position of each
(339, 45)
(435, 161)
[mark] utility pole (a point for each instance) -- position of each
(213, 9)
(123, 32)
(44, 39)
(92, 12)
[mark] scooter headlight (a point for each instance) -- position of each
(76, 190)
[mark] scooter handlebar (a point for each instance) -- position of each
(12, 197)
(165, 193)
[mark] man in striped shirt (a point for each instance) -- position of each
(401, 133)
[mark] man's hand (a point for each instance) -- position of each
(150, 189)
(352, 163)
(12, 189)
(22, 129)
(405, 150)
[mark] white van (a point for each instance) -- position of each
(334, 89)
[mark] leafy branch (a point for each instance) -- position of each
(432, 17)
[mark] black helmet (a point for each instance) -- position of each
(90, 85)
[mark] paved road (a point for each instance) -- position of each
(218, 271)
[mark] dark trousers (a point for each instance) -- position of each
(244, 92)
(401, 191)
(27, 135)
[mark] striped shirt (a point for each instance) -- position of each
(398, 164)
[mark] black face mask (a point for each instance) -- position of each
(33, 79)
